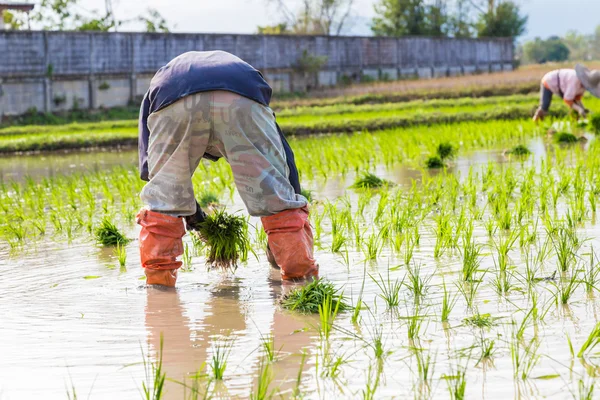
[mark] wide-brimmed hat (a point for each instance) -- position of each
(589, 78)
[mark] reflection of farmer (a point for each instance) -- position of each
(570, 85)
(211, 105)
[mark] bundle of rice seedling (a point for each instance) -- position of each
(208, 199)
(369, 181)
(308, 194)
(566, 137)
(226, 238)
(519, 150)
(595, 123)
(108, 234)
(307, 299)
(434, 162)
(446, 151)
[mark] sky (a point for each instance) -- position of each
(546, 17)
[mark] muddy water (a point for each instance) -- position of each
(71, 318)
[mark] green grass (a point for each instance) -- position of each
(566, 137)
(308, 299)
(434, 162)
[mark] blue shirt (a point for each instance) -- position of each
(194, 72)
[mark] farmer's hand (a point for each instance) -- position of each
(539, 115)
(193, 221)
(580, 110)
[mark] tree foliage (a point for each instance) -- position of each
(310, 17)
(452, 18)
(549, 50)
(57, 15)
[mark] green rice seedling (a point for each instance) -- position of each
(327, 314)
(487, 348)
(186, 258)
(471, 260)
(591, 342)
(265, 378)
(338, 241)
(121, 254)
(502, 282)
(566, 137)
(226, 239)
(416, 283)
(591, 274)
(297, 392)
(368, 393)
(524, 359)
(457, 382)
(154, 384)
(372, 247)
(218, 363)
(448, 304)
(409, 249)
(523, 325)
(415, 324)
(595, 123)
(585, 390)
(390, 291)
(107, 234)
(208, 199)
(267, 343)
(503, 247)
(519, 150)
(309, 298)
(481, 320)
(566, 289)
(446, 151)
(434, 162)
(425, 368)
(369, 181)
(308, 194)
(469, 291)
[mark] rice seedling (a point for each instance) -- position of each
(265, 378)
(565, 289)
(481, 320)
(208, 199)
(585, 389)
(591, 342)
(107, 234)
(390, 291)
(446, 151)
(218, 362)
(267, 343)
(308, 299)
(372, 247)
(415, 323)
(524, 359)
(369, 181)
(595, 123)
(448, 304)
(469, 291)
(154, 384)
(457, 382)
(434, 162)
(471, 260)
(417, 284)
(487, 350)
(327, 314)
(519, 150)
(368, 393)
(566, 137)
(591, 274)
(121, 254)
(425, 368)
(226, 239)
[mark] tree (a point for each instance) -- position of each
(13, 21)
(279, 29)
(580, 46)
(400, 18)
(542, 51)
(502, 20)
(459, 23)
(313, 17)
(154, 21)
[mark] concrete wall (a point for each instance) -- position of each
(54, 71)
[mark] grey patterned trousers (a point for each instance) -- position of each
(220, 124)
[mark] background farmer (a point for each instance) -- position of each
(212, 105)
(570, 85)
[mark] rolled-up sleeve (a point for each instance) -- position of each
(144, 134)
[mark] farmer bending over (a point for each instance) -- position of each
(570, 85)
(210, 105)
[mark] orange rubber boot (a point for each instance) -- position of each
(160, 245)
(291, 243)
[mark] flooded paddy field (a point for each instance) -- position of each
(477, 280)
